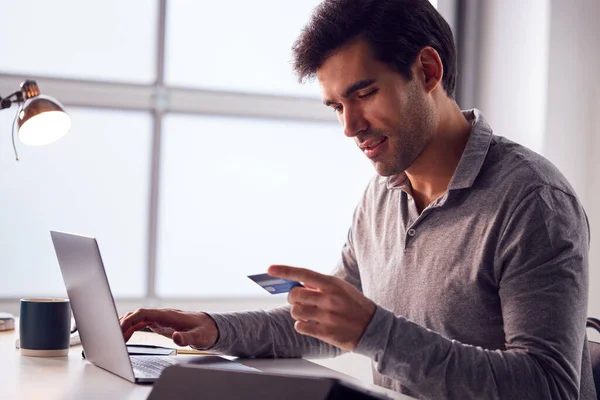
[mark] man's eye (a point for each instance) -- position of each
(367, 95)
(337, 108)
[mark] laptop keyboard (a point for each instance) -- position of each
(150, 366)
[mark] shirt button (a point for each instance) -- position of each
(412, 232)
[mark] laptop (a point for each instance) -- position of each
(97, 319)
(190, 382)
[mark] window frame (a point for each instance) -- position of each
(160, 99)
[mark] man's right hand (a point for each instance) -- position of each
(185, 328)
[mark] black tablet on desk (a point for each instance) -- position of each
(185, 382)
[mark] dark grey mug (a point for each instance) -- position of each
(45, 327)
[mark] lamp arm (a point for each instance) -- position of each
(6, 102)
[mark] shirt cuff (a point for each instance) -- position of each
(375, 338)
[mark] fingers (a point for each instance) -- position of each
(311, 328)
(124, 316)
(132, 329)
(299, 295)
(163, 331)
(308, 313)
(132, 319)
(182, 338)
(184, 327)
(304, 275)
(327, 308)
(160, 317)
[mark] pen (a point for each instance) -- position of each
(179, 351)
(193, 351)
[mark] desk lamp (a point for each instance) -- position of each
(41, 119)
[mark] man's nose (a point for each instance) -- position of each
(353, 122)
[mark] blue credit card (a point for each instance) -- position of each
(274, 285)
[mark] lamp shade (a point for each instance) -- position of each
(42, 120)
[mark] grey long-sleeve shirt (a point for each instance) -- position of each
(481, 295)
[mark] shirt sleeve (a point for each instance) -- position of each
(541, 267)
(271, 333)
(268, 333)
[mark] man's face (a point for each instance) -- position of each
(391, 119)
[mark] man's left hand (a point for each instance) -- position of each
(327, 307)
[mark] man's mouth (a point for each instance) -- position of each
(372, 148)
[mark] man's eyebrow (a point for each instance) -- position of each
(352, 88)
(357, 86)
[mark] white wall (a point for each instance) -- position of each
(539, 86)
(572, 138)
(593, 211)
(513, 68)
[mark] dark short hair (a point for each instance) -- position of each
(396, 30)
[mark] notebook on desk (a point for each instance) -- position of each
(97, 319)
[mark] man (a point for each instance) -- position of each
(464, 274)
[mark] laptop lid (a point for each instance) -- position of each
(187, 382)
(92, 303)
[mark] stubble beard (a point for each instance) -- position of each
(406, 146)
(402, 156)
(408, 142)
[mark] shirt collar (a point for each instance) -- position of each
(470, 162)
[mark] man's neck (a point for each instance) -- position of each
(432, 171)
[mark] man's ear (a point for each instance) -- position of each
(429, 68)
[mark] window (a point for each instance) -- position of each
(110, 40)
(240, 194)
(248, 50)
(227, 167)
(94, 181)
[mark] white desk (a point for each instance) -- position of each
(71, 378)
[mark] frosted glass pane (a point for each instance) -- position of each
(99, 40)
(94, 181)
(238, 195)
(236, 45)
